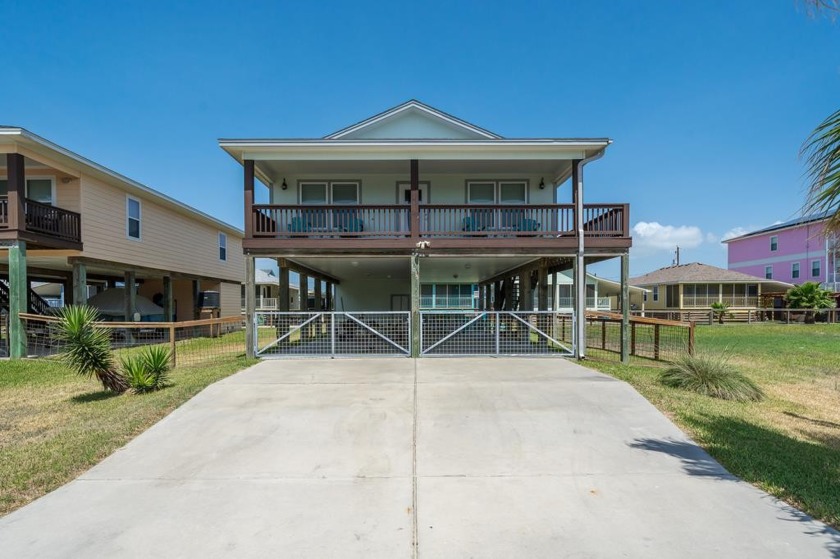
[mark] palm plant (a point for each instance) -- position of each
(822, 157)
(88, 348)
(720, 309)
(809, 296)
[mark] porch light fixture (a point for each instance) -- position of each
(542, 183)
(284, 186)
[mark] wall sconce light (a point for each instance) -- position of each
(542, 183)
(284, 186)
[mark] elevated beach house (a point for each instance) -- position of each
(80, 228)
(415, 197)
(794, 252)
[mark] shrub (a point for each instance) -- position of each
(720, 310)
(711, 375)
(88, 348)
(810, 296)
(149, 370)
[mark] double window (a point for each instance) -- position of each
(39, 190)
(133, 218)
(328, 192)
(497, 192)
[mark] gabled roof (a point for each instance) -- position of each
(356, 130)
(808, 219)
(45, 148)
(696, 272)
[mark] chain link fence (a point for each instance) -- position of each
(192, 343)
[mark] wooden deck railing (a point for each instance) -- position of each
(437, 221)
(46, 220)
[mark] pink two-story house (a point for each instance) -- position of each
(794, 252)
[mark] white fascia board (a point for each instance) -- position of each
(400, 151)
(52, 150)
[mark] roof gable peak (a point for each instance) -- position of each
(413, 120)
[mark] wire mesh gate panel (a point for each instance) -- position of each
(452, 333)
(330, 334)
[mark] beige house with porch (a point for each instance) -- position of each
(696, 286)
(67, 220)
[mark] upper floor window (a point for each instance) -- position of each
(132, 218)
(768, 272)
(794, 270)
(39, 190)
(497, 192)
(222, 246)
(815, 268)
(329, 192)
(774, 243)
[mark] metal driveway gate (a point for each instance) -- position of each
(507, 333)
(312, 334)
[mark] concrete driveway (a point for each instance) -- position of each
(401, 458)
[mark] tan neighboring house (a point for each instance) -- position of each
(67, 220)
(696, 286)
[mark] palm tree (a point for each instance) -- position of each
(809, 296)
(88, 348)
(720, 310)
(821, 150)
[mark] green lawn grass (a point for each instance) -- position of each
(54, 424)
(788, 444)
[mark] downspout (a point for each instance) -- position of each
(580, 269)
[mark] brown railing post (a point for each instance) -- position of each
(656, 342)
(248, 164)
(691, 326)
(632, 338)
(172, 349)
(415, 199)
(16, 182)
(603, 334)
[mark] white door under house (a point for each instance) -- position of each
(463, 305)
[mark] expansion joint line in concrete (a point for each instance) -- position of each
(415, 542)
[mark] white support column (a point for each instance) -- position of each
(625, 308)
(580, 264)
(250, 302)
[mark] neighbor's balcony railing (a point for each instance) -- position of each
(705, 301)
(592, 303)
(437, 221)
(46, 220)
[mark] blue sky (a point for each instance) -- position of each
(707, 102)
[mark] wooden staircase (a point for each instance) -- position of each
(35, 304)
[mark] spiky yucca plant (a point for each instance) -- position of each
(147, 371)
(87, 348)
(711, 375)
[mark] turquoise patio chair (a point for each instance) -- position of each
(529, 224)
(298, 225)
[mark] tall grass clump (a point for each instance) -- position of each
(88, 348)
(711, 375)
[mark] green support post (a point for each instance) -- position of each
(18, 298)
